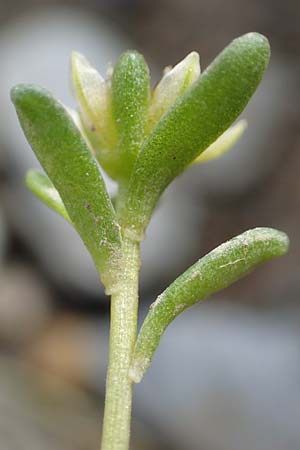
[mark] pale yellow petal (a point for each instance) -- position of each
(224, 143)
(173, 84)
(90, 90)
(93, 95)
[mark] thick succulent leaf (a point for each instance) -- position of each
(63, 152)
(196, 120)
(214, 272)
(43, 188)
(224, 143)
(172, 85)
(130, 100)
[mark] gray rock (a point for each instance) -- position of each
(25, 304)
(42, 411)
(226, 378)
(4, 235)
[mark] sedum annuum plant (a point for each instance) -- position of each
(142, 139)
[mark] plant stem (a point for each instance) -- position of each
(124, 306)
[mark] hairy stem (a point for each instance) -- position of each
(118, 400)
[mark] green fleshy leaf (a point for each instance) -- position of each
(63, 152)
(224, 143)
(43, 188)
(212, 273)
(196, 120)
(130, 99)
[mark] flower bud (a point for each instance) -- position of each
(172, 85)
(92, 93)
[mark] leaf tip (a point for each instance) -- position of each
(259, 38)
(28, 176)
(131, 63)
(132, 55)
(276, 242)
(76, 57)
(22, 95)
(259, 42)
(17, 92)
(193, 58)
(282, 242)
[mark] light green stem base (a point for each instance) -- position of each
(124, 306)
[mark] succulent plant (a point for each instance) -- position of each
(142, 139)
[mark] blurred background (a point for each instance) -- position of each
(227, 373)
